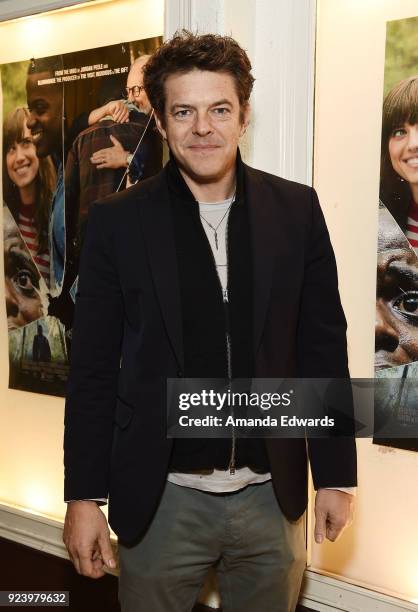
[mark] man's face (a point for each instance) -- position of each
(138, 97)
(202, 123)
(23, 299)
(45, 107)
(396, 331)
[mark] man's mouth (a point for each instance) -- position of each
(36, 135)
(203, 147)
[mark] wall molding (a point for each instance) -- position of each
(319, 592)
(37, 531)
(327, 594)
(10, 9)
(177, 15)
(194, 15)
(283, 131)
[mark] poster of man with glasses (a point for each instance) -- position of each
(76, 127)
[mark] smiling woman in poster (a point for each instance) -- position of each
(399, 162)
(28, 185)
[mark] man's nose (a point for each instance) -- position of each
(202, 125)
(31, 121)
(386, 335)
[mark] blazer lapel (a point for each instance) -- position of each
(155, 215)
(156, 218)
(262, 213)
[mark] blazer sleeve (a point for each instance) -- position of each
(94, 366)
(322, 349)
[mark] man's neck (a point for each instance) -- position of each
(212, 192)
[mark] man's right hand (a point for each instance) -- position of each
(116, 108)
(119, 111)
(87, 538)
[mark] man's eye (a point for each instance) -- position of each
(183, 113)
(407, 304)
(23, 280)
(38, 108)
(221, 111)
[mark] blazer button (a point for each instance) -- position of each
(179, 374)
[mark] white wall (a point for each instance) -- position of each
(380, 551)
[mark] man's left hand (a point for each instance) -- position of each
(333, 512)
(112, 157)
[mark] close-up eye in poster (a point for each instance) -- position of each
(396, 335)
(77, 127)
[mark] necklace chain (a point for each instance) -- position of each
(215, 229)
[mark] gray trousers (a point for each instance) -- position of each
(259, 556)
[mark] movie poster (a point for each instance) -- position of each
(396, 336)
(76, 128)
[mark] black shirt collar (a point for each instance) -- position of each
(178, 186)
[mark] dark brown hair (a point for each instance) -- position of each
(13, 131)
(400, 106)
(185, 52)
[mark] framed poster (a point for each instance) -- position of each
(396, 336)
(77, 127)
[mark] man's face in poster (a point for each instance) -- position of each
(45, 107)
(135, 86)
(396, 330)
(23, 297)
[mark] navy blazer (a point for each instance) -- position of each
(127, 339)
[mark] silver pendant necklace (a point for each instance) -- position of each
(215, 229)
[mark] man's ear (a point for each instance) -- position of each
(159, 123)
(245, 114)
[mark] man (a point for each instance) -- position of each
(397, 298)
(86, 182)
(118, 155)
(135, 85)
(209, 269)
(41, 351)
(45, 102)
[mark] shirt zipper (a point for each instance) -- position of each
(225, 300)
(225, 297)
(228, 353)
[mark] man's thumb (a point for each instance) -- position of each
(320, 527)
(115, 141)
(106, 552)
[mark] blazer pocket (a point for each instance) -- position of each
(123, 414)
